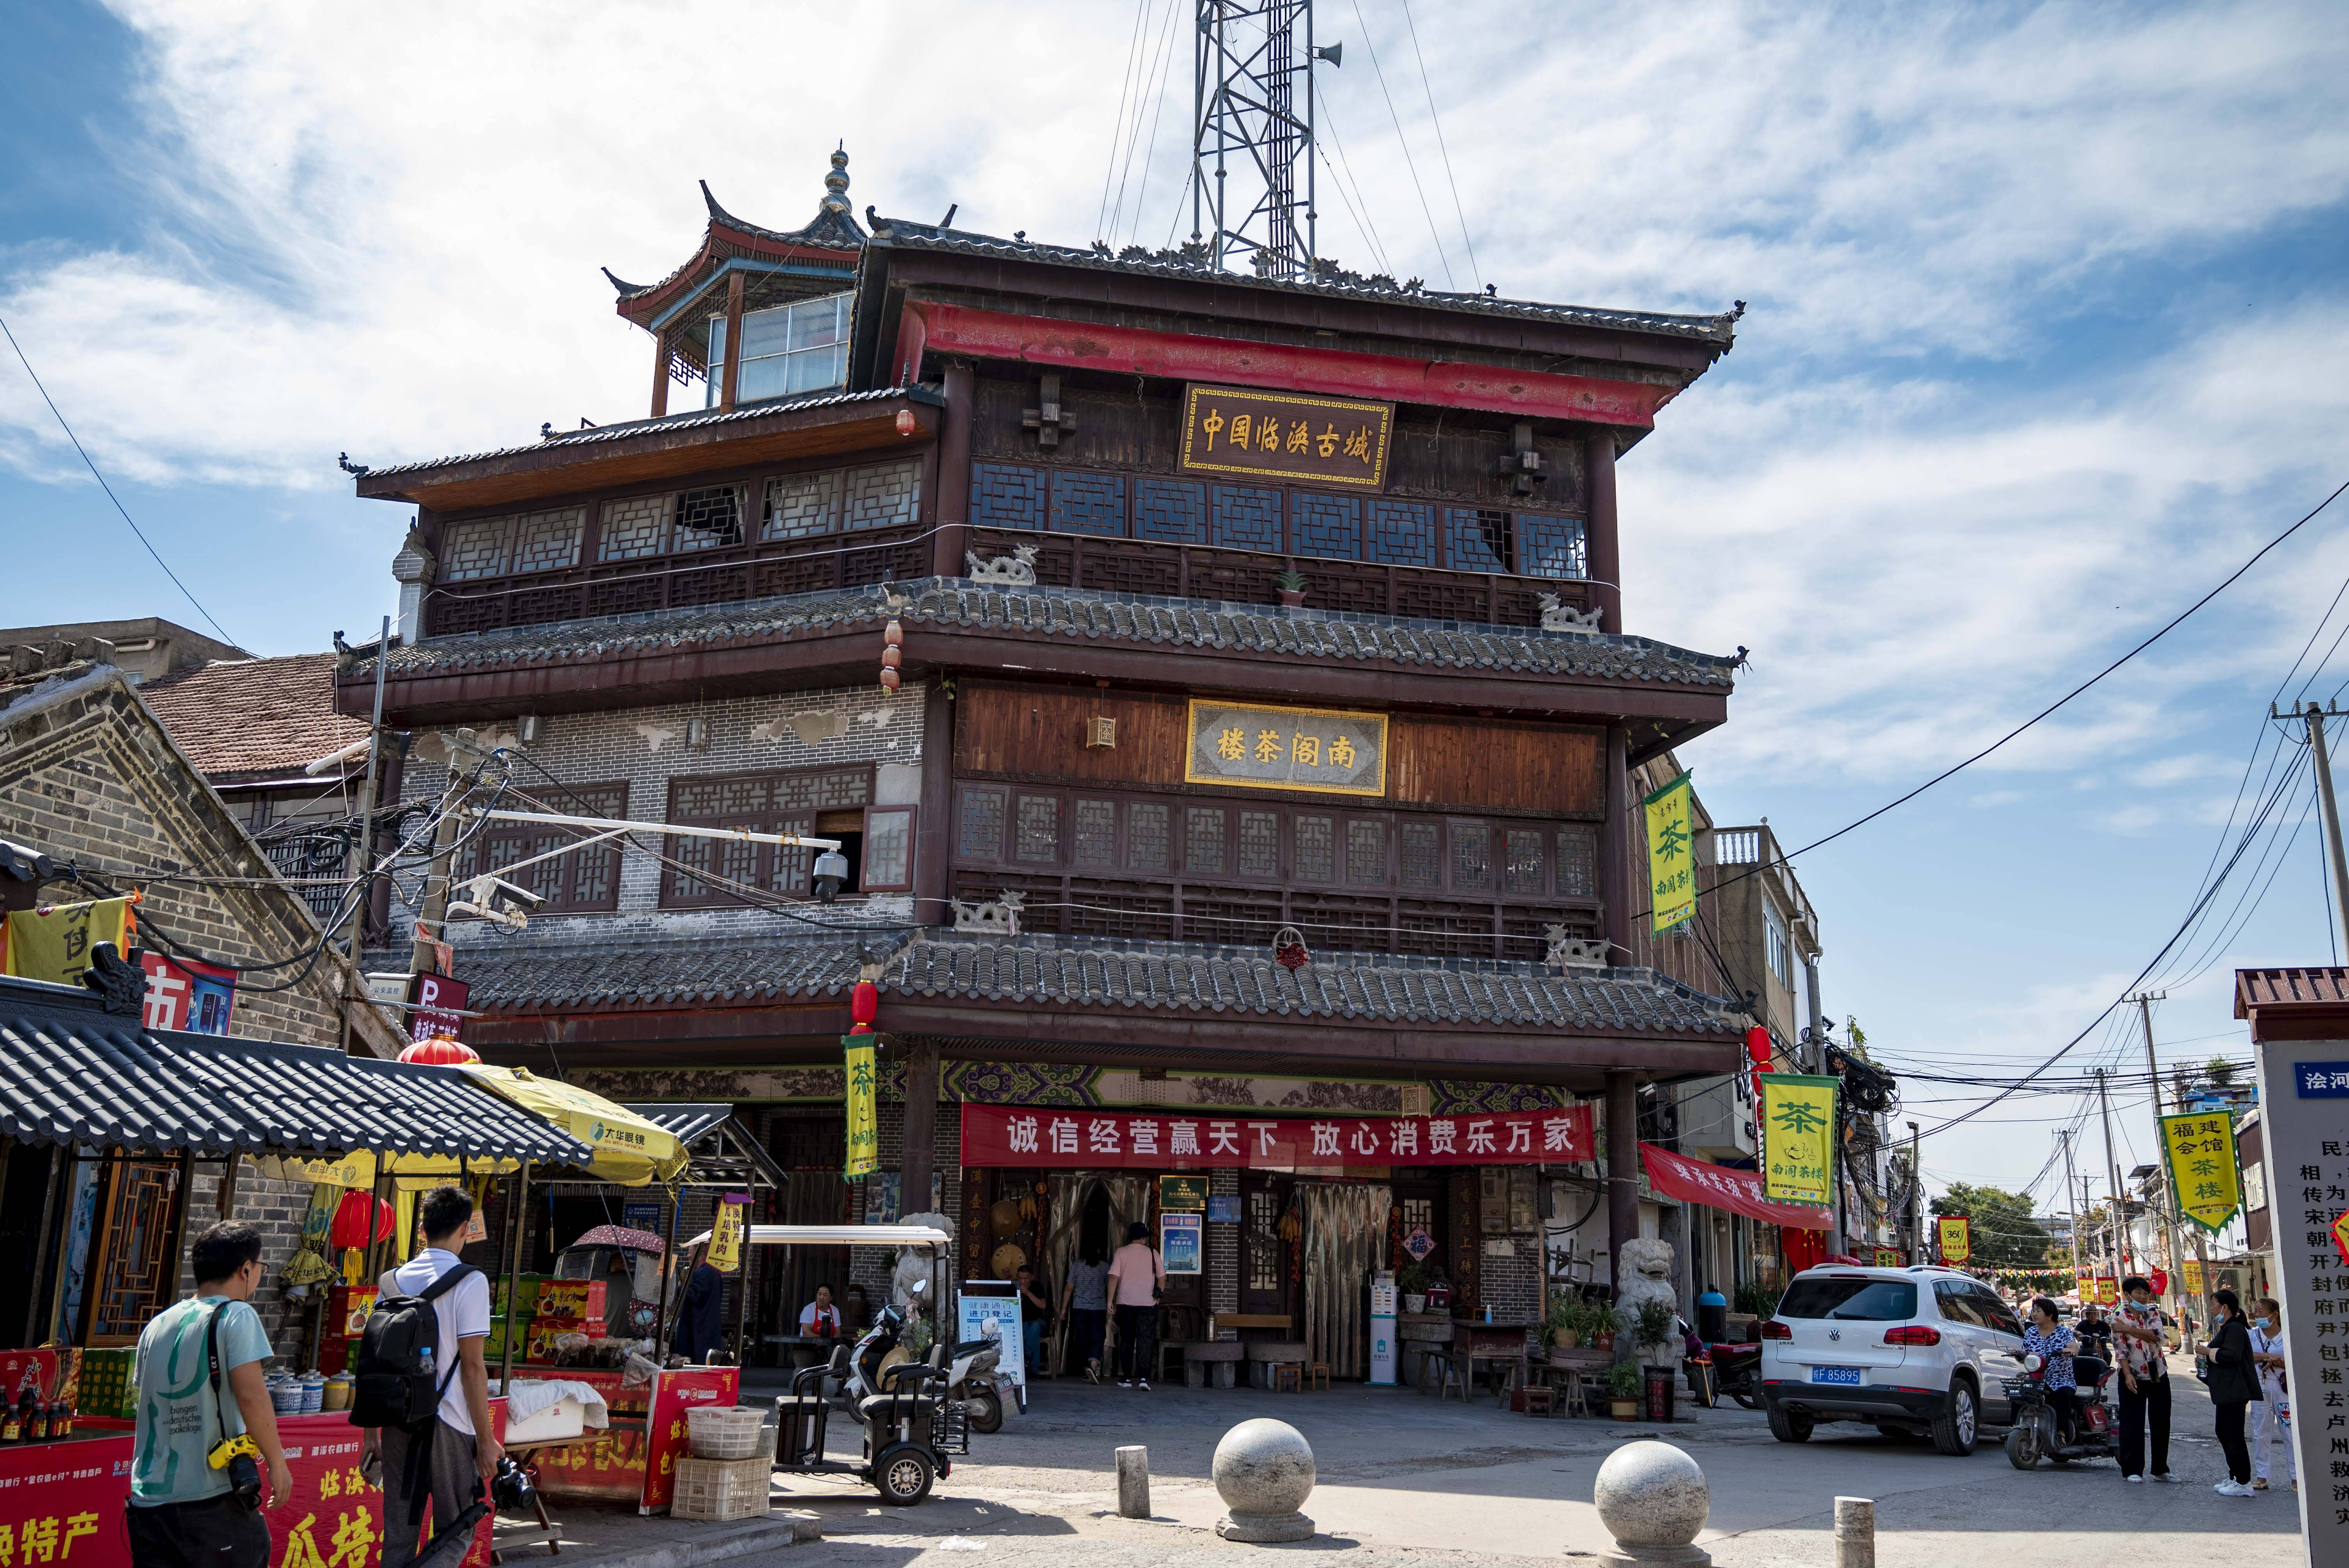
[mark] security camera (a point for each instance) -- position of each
(831, 871)
(498, 901)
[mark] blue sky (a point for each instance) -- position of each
(2045, 336)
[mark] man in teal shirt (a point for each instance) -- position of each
(183, 1512)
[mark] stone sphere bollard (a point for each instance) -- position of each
(1652, 1499)
(1264, 1471)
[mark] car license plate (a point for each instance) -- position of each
(1849, 1375)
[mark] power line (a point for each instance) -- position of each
(1407, 162)
(108, 489)
(1474, 272)
(1117, 125)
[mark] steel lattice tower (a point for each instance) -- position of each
(1252, 119)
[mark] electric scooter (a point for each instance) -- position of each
(2033, 1433)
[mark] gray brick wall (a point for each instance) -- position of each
(1223, 1247)
(645, 748)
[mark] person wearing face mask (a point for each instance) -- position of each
(2234, 1386)
(2270, 1416)
(2144, 1381)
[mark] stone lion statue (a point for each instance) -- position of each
(1644, 1274)
(914, 1263)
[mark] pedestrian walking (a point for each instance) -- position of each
(2145, 1380)
(702, 1313)
(2272, 1413)
(197, 1359)
(1084, 1306)
(440, 1465)
(2234, 1388)
(1034, 1309)
(1137, 1276)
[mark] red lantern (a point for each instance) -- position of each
(440, 1050)
(361, 1219)
(1757, 1047)
(907, 423)
(864, 1005)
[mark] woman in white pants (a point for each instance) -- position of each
(2268, 1414)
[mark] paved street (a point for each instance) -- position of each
(1402, 1477)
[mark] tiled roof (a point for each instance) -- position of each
(1718, 328)
(254, 716)
(2319, 987)
(1095, 973)
(699, 419)
(1172, 623)
(72, 1072)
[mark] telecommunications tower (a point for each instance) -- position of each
(1252, 131)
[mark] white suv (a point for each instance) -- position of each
(1913, 1351)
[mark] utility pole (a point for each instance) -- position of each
(433, 913)
(2069, 1183)
(1916, 1201)
(2313, 716)
(364, 850)
(2177, 1291)
(2113, 1172)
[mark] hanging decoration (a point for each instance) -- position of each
(1288, 948)
(1955, 1235)
(863, 1081)
(2204, 1171)
(893, 655)
(1798, 1116)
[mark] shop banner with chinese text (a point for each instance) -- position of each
(1719, 1187)
(1955, 1234)
(1672, 855)
(1039, 1138)
(2203, 1169)
(862, 1092)
(726, 1233)
(1799, 1139)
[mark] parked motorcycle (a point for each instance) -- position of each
(973, 1380)
(1737, 1372)
(2092, 1432)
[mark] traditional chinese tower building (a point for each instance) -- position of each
(1246, 770)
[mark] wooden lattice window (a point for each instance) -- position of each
(980, 835)
(549, 540)
(800, 505)
(1476, 539)
(1203, 839)
(1366, 851)
(1263, 1237)
(1038, 828)
(1317, 858)
(1096, 834)
(1472, 856)
(1146, 837)
(1259, 845)
(585, 881)
(700, 869)
(1522, 864)
(474, 548)
(1088, 503)
(882, 496)
(634, 528)
(1578, 860)
(709, 518)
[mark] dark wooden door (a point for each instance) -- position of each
(1420, 1205)
(133, 1272)
(1265, 1284)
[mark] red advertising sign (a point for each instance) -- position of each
(183, 993)
(1035, 1136)
(1719, 1187)
(440, 1005)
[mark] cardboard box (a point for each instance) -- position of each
(570, 1298)
(544, 1331)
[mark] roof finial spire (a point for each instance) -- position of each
(835, 184)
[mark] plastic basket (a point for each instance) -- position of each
(722, 1489)
(724, 1431)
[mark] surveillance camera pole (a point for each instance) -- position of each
(434, 914)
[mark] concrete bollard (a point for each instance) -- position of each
(1653, 1500)
(1133, 1482)
(1263, 1472)
(1855, 1532)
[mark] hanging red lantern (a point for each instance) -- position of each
(360, 1220)
(864, 1006)
(440, 1050)
(1757, 1047)
(892, 638)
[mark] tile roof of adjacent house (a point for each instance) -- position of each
(1094, 973)
(254, 716)
(1720, 328)
(959, 604)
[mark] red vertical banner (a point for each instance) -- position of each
(674, 1393)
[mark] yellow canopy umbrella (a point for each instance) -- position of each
(629, 1149)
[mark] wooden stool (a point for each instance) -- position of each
(1448, 1382)
(1570, 1401)
(1319, 1370)
(1539, 1401)
(1288, 1378)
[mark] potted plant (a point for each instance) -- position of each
(1623, 1390)
(1411, 1281)
(1568, 1321)
(1291, 584)
(1606, 1318)
(1654, 1328)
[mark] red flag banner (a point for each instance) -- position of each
(1041, 1136)
(1719, 1187)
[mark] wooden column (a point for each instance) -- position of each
(921, 1126)
(661, 372)
(1606, 557)
(1620, 885)
(733, 342)
(224, 1198)
(1622, 1174)
(934, 823)
(947, 545)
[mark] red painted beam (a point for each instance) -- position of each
(1183, 356)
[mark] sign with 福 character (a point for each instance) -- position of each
(1286, 436)
(1259, 747)
(2203, 1170)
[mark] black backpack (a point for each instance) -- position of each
(402, 1369)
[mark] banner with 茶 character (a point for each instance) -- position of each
(1799, 1139)
(1671, 854)
(1036, 1137)
(2204, 1173)
(862, 1092)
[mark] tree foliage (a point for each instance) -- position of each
(2004, 1233)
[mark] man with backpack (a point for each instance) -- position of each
(422, 1389)
(196, 1359)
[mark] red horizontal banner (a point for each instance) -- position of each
(1036, 1136)
(1719, 1187)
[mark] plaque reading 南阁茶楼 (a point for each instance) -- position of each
(1265, 747)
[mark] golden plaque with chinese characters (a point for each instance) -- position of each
(1258, 747)
(1286, 436)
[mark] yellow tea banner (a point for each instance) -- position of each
(1955, 1233)
(726, 1233)
(1888, 1257)
(2191, 1273)
(53, 943)
(1798, 1136)
(1672, 855)
(2201, 1150)
(864, 1094)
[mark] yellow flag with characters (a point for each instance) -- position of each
(726, 1233)
(52, 943)
(1799, 1139)
(2192, 1271)
(1955, 1234)
(864, 1093)
(2204, 1173)
(1672, 855)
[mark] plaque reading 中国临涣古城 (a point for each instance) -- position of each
(1286, 436)
(1264, 747)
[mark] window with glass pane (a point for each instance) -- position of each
(789, 348)
(1551, 547)
(1203, 839)
(889, 859)
(1476, 539)
(1096, 833)
(1523, 871)
(1317, 859)
(1040, 829)
(1146, 836)
(1419, 863)
(982, 835)
(1366, 851)
(1472, 856)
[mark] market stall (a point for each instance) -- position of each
(141, 1106)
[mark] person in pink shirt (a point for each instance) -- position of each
(1137, 1275)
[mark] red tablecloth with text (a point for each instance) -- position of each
(630, 1466)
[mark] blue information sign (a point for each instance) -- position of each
(2321, 1080)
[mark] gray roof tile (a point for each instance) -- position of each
(957, 603)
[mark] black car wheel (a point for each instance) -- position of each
(1789, 1426)
(1959, 1420)
(903, 1474)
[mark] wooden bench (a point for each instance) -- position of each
(1235, 1321)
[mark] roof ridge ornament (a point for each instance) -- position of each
(835, 184)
